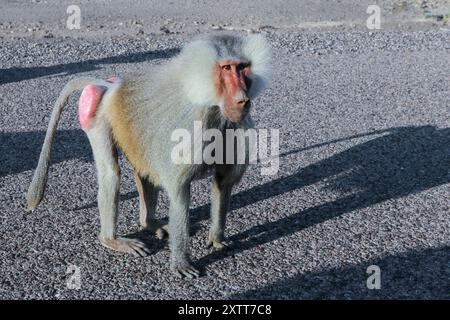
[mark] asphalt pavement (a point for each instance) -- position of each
(364, 122)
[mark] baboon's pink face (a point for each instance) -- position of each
(232, 83)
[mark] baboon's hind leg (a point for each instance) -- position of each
(148, 199)
(108, 175)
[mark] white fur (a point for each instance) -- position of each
(256, 49)
(197, 62)
(195, 67)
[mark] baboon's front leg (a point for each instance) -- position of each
(220, 202)
(179, 233)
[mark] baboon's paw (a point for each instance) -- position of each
(160, 229)
(134, 246)
(219, 245)
(185, 270)
(163, 232)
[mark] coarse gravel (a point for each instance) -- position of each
(363, 176)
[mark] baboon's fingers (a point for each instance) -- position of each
(186, 272)
(219, 245)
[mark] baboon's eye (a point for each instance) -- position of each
(226, 67)
(243, 65)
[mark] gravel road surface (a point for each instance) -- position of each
(364, 176)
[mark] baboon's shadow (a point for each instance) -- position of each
(416, 274)
(404, 161)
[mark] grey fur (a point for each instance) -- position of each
(37, 186)
(169, 97)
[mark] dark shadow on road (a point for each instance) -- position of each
(18, 74)
(411, 275)
(19, 151)
(404, 161)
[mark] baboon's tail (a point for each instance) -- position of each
(37, 186)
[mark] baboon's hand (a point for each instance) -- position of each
(219, 245)
(160, 229)
(184, 269)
